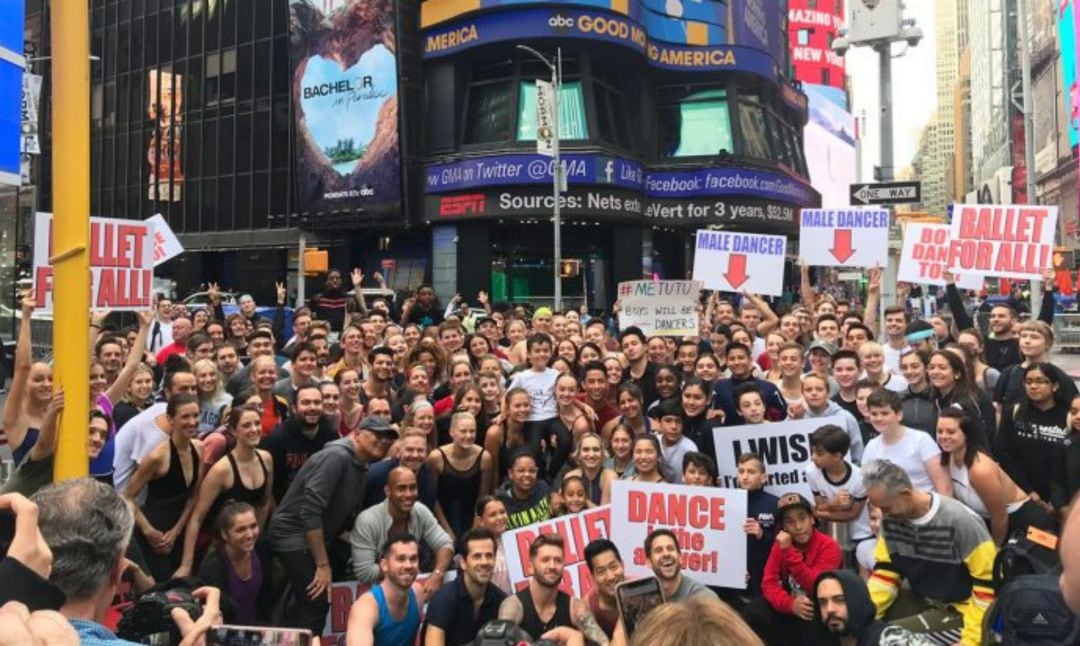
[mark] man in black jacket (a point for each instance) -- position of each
(845, 614)
(298, 438)
(319, 505)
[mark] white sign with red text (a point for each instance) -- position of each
(166, 245)
(577, 531)
(707, 522)
(121, 263)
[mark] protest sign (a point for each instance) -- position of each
(660, 307)
(1009, 241)
(706, 521)
(166, 244)
(121, 264)
(925, 255)
(844, 237)
(577, 531)
(733, 262)
(784, 447)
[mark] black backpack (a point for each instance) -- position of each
(1019, 556)
(1030, 611)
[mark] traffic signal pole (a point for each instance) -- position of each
(71, 230)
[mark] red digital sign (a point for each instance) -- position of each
(812, 26)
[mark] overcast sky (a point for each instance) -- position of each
(914, 90)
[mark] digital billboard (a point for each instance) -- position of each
(1067, 31)
(345, 98)
(829, 142)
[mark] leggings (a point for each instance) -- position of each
(551, 443)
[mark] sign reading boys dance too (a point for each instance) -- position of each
(925, 255)
(706, 521)
(660, 307)
(844, 237)
(784, 447)
(577, 531)
(734, 262)
(1014, 241)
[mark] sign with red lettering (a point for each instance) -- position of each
(1010, 241)
(784, 447)
(707, 522)
(577, 531)
(121, 263)
(343, 594)
(166, 245)
(925, 255)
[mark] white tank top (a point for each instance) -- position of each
(965, 493)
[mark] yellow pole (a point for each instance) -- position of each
(71, 229)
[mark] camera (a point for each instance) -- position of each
(500, 632)
(149, 621)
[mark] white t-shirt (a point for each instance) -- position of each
(910, 453)
(160, 335)
(853, 484)
(541, 389)
(896, 383)
(134, 441)
(892, 356)
(671, 458)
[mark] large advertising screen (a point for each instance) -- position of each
(345, 98)
(829, 142)
(1067, 31)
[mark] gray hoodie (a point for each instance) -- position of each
(326, 494)
(849, 424)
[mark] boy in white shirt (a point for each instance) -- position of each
(839, 494)
(913, 451)
(539, 381)
(673, 444)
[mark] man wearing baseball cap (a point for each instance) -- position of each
(800, 554)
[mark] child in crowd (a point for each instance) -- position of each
(816, 403)
(839, 494)
(751, 403)
(760, 525)
(799, 555)
(913, 451)
(572, 497)
(863, 389)
(698, 470)
(673, 445)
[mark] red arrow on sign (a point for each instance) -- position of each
(736, 271)
(842, 245)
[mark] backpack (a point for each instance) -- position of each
(1021, 556)
(1030, 611)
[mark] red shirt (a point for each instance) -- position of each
(798, 565)
(168, 351)
(604, 413)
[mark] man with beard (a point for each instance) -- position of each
(845, 614)
(298, 438)
(400, 513)
(542, 607)
(640, 372)
(389, 614)
(459, 608)
(380, 378)
(665, 558)
(606, 567)
(325, 495)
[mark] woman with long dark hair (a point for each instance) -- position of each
(981, 484)
(235, 567)
(951, 385)
(1033, 432)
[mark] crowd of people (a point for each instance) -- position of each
(394, 444)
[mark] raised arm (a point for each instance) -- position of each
(97, 319)
(1046, 312)
(806, 291)
(135, 355)
(960, 316)
(769, 319)
(46, 443)
(13, 405)
(873, 300)
(357, 278)
(485, 302)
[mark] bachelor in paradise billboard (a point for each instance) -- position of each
(345, 98)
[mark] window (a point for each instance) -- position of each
(804, 37)
(754, 132)
(572, 123)
(699, 124)
(488, 114)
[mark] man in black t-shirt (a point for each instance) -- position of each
(459, 608)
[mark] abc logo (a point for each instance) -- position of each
(559, 21)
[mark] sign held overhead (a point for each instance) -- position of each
(887, 193)
(844, 237)
(729, 261)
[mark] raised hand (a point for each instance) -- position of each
(357, 277)
(282, 292)
(482, 297)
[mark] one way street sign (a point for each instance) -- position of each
(887, 193)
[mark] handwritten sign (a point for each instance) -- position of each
(577, 531)
(706, 521)
(784, 447)
(121, 263)
(844, 237)
(925, 254)
(734, 262)
(1009, 241)
(166, 245)
(659, 307)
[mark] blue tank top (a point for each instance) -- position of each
(391, 632)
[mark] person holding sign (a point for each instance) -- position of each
(799, 555)
(740, 365)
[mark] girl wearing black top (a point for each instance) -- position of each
(503, 439)
(464, 472)
(244, 474)
(236, 567)
(170, 474)
(951, 385)
(696, 423)
(1033, 433)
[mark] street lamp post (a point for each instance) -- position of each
(556, 216)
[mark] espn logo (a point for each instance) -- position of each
(470, 204)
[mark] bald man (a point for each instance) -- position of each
(400, 513)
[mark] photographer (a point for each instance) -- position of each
(88, 526)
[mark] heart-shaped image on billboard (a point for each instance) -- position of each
(341, 106)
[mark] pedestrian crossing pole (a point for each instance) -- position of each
(71, 229)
